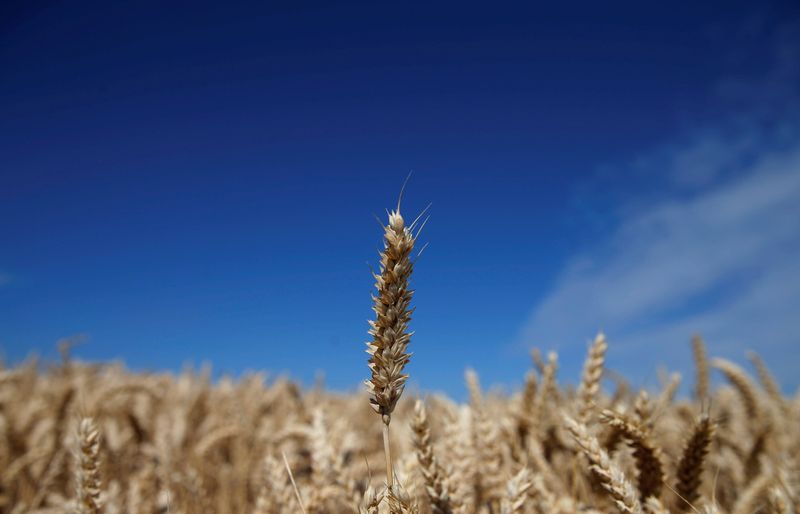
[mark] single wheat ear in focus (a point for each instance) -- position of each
(389, 330)
(390, 335)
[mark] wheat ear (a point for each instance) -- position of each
(654, 506)
(777, 503)
(667, 395)
(610, 476)
(88, 467)
(517, 493)
(543, 500)
(370, 502)
(701, 365)
(275, 490)
(690, 467)
(389, 331)
(646, 453)
(214, 438)
(400, 502)
(749, 499)
(549, 386)
(590, 382)
(485, 443)
(743, 385)
(643, 409)
(767, 380)
(435, 485)
(525, 418)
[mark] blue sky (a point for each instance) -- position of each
(199, 185)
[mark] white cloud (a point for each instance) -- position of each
(715, 250)
(4, 278)
(722, 262)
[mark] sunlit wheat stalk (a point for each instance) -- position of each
(389, 331)
(610, 476)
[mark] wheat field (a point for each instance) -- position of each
(82, 438)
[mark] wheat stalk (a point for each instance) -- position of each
(646, 453)
(517, 492)
(435, 485)
(611, 477)
(88, 469)
(389, 331)
(768, 382)
(743, 385)
(751, 497)
(590, 382)
(690, 467)
(701, 365)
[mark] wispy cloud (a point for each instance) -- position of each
(725, 263)
(718, 253)
(5, 278)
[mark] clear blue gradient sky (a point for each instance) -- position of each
(188, 183)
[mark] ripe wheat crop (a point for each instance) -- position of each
(80, 438)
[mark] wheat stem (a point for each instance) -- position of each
(387, 450)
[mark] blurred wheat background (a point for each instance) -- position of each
(98, 438)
